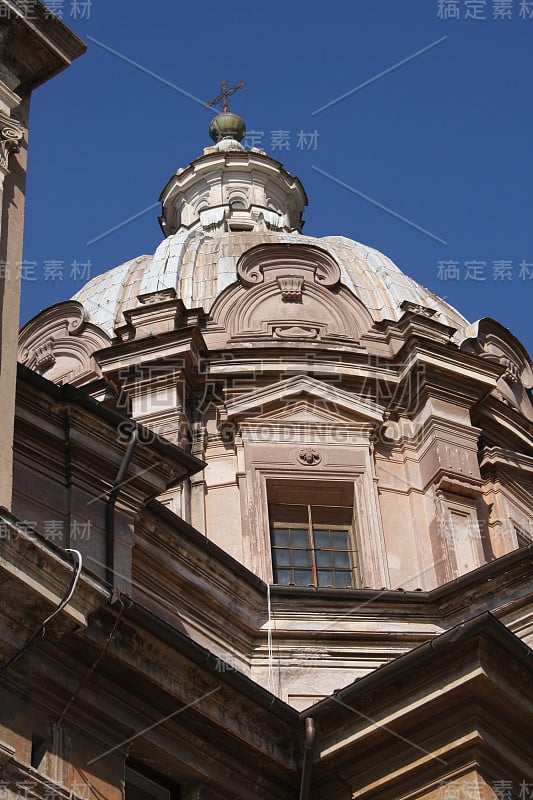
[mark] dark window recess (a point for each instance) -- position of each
(38, 750)
(143, 784)
(522, 538)
(312, 534)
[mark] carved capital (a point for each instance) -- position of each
(11, 134)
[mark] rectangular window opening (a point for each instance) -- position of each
(38, 750)
(312, 533)
(141, 783)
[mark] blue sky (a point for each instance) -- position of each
(428, 158)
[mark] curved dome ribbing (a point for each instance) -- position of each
(200, 266)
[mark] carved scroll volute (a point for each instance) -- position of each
(11, 135)
(327, 273)
(250, 272)
(264, 263)
(61, 342)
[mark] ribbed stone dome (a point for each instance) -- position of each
(200, 266)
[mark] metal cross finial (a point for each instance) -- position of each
(224, 96)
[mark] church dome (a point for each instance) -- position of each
(356, 429)
(199, 266)
(225, 203)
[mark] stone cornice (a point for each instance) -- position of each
(41, 45)
(435, 357)
(91, 424)
(507, 419)
(507, 460)
(295, 387)
(478, 665)
(186, 342)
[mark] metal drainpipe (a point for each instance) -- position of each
(110, 510)
(310, 732)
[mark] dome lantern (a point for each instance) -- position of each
(230, 188)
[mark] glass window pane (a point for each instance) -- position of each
(303, 577)
(323, 558)
(321, 538)
(280, 537)
(344, 580)
(299, 538)
(283, 576)
(325, 578)
(341, 559)
(282, 558)
(340, 540)
(301, 558)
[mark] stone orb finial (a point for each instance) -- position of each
(227, 125)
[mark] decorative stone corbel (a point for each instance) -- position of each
(11, 135)
(512, 372)
(291, 287)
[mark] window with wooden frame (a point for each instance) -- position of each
(312, 533)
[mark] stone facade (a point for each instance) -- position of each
(31, 52)
(291, 495)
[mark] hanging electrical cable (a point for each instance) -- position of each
(41, 630)
(115, 598)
